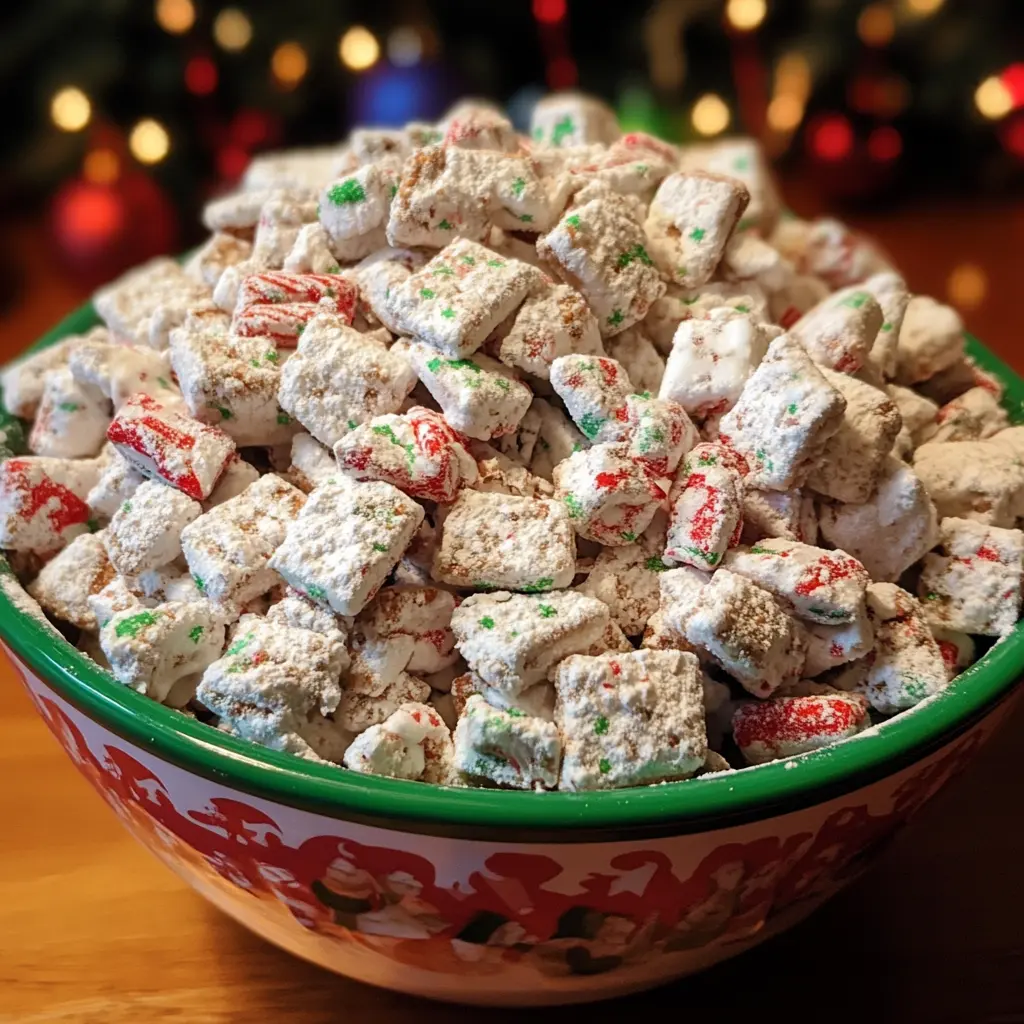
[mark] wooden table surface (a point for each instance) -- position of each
(93, 930)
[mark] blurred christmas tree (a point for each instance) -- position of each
(127, 114)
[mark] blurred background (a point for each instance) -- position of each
(905, 117)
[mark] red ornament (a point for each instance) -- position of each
(885, 144)
(549, 12)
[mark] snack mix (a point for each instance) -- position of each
(550, 462)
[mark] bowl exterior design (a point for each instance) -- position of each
(493, 922)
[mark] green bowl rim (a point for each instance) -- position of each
(751, 794)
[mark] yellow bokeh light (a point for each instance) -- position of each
(289, 64)
(149, 141)
(793, 75)
(358, 48)
(922, 8)
(967, 286)
(175, 16)
(993, 99)
(101, 166)
(745, 15)
(710, 115)
(232, 29)
(70, 109)
(876, 25)
(785, 112)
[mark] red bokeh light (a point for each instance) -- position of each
(1013, 137)
(232, 162)
(885, 144)
(250, 128)
(831, 138)
(1013, 78)
(201, 76)
(562, 73)
(549, 11)
(88, 216)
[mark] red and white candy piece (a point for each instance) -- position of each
(167, 445)
(788, 726)
(42, 501)
(417, 452)
(278, 286)
(282, 321)
(707, 507)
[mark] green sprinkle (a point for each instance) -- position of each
(547, 611)
(199, 582)
(545, 583)
(628, 535)
(69, 407)
(446, 225)
(495, 263)
(379, 547)
(590, 424)
(299, 328)
(711, 557)
(126, 507)
(697, 235)
(223, 410)
(502, 384)
(92, 525)
(352, 424)
(742, 308)
(283, 418)
(392, 191)
(574, 506)
(487, 622)
(349, 191)
(636, 252)
(604, 766)
(448, 313)
(195, 634)
(515, 713)
(526, 218)
(443, 271)
(163, 382)
(426, 293)
(655, 564)
(239, 645)
(887, 326)
(317, 593)
(469, 260)
(931, 596)
(134, 623)
(272, 356)
(601, 726)
(758, 550)
(573, 221)
(856, 300)
(517, 187)
(562, 128)
(616, 318)
(791, 409)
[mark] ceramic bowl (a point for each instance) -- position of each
(489, 897)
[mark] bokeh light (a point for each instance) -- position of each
(923, 8)
(101, 166)
(831, 138)
(967, 286)
(550, 12)
(885, 144)
(149, 141)
(175, 16)
(232, 30)
(876, 25)
(405, 47)
(745, 15)
(70, 109)
(200, 76)
(710, 115)
(289, 64)
(785, 112)
(358, 48)
(993, 99)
